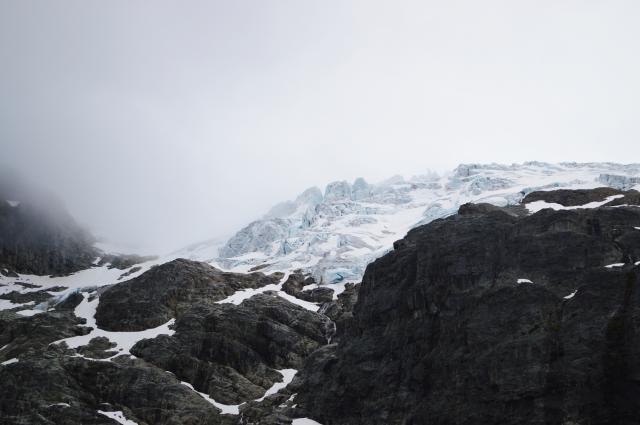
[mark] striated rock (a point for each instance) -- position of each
(295, 282)
(22, 335)
(123, 261)
(64, 390)
(230, 351)
(321, 294)
(168, 290)
(341, 310)
(26, 297)
(443, 333)
(98, 348)
(570, 198)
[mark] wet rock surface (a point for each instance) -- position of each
(341, 310)
(443, 333)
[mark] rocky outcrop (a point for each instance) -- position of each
(23, 335)
(340, 312)
(295, 282)
(570, 198)
(167, 291)
(123, 261)
(57, 389)
(231, 351)
(492, 317)
(321, 294)
(295, 286)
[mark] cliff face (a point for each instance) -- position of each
(494, 316)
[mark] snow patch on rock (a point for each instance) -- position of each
(117, 416)
(226, 409)
(124, 340)
(536, 206)
(304, 421)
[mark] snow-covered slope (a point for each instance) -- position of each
(336, 234)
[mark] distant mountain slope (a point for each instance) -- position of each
(37, 234)
(335, 234)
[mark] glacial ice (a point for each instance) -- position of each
(335, 235)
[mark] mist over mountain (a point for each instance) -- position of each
(347, 212)
(160, 125)
(292, 316)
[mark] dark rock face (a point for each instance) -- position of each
(22, 335)
(43, 242)
(166, 291)
(123, 262)
(492, 316)
(229, 351)
(570, 198)
(442, 333)
(25, 297)
(296, 281)
(33, 389)
(321, 294)
(98, 348)
(341, 311)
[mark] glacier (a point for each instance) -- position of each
(334, 234)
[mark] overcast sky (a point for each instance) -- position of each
(162, 123)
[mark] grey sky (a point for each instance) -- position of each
(163, 123)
